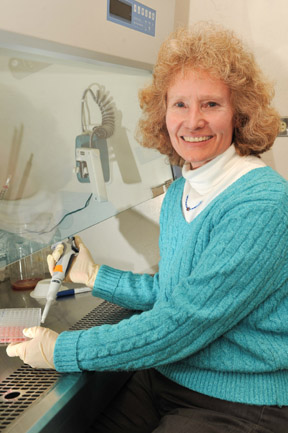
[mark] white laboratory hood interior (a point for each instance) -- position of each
(83, 30)
(47, 61)
(59, 35)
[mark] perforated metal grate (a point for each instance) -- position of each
(104, 313)
(23, 387)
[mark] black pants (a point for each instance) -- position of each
(149, 402)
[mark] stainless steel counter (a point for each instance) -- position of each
(43, 400)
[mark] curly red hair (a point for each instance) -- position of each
(212, 48)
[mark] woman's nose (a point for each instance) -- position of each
(195, 119)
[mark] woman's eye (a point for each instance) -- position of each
(210, 104)
(180, 104)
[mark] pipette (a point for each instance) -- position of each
(60, 270)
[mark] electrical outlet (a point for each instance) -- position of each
(283, 131)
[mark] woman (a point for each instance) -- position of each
(210, 349)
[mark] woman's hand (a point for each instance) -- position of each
(83, 269)
(37, 352)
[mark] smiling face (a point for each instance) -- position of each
(199, 117)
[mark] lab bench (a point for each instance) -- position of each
(34, 401)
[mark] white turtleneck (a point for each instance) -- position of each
(205, 183)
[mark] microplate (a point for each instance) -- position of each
(14, 320)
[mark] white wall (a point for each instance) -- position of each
(263, 25)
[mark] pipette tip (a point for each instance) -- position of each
(45, 311)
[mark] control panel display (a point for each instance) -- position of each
(132, 14)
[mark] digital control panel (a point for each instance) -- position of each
(132, 14)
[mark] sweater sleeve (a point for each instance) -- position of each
(234, 275)
(132, 291)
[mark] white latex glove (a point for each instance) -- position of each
(37, 352)
(83, 269)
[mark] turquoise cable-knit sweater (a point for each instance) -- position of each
(215, 316)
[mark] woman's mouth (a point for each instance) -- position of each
(196, 139)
